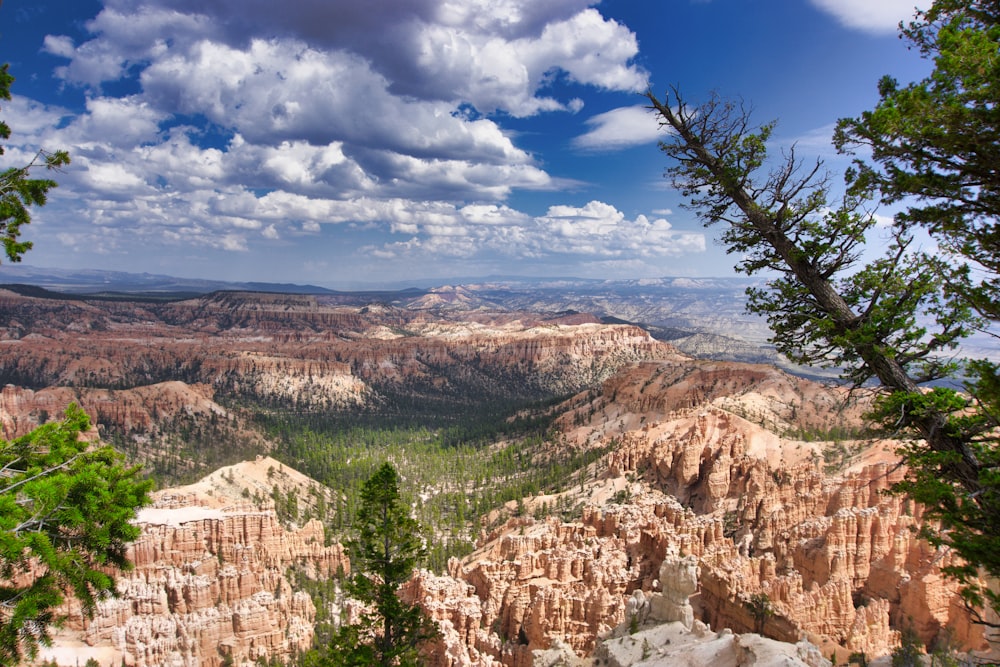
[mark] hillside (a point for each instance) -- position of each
(703, 491)
(571, 472)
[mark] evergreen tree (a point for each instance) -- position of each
(935, 147)
(894, 319)
(18, 191)
(935, 144)
(66, 520)
(387, 549)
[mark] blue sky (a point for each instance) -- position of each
(338, 142)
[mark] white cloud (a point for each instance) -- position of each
(600, 229)
(493, 55)
(30, 121)
(620, 128)
(596, 230)
(330, 112)
(876, 16)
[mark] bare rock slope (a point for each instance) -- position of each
(764, 514)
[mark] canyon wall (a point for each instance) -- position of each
(306, 351)
(767, 480)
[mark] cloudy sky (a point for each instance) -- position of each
(341, 142)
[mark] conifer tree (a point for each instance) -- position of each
(66, 520)
(18, 191)
(894, 319)
(387, 549)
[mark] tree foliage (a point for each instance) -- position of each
(387, 549)
(934, 146)
(18, 191)
(935, 143)
(66, 511)
(761, 609)
(894, 318)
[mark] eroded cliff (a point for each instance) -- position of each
(213, 579)
(836, 556)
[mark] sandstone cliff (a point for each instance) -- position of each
(155, 376)
(763, 478)
(305, 350)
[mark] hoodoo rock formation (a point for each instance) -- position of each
(211, 580)
(720, 487)
(816, 533)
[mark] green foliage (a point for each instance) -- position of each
(18, 191)
(760, 608)
(910, 649)
(935, 141)
(894, 319)
(968, 520)
(387, 549)
(934, 146)
(66, 511)
(459, 473)
(858, 658)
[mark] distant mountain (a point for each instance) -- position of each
(702, 316)
(97, 281)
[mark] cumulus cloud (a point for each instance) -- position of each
(596, 231)
(882, 16)
(253, 122)
(620, 128)
(493, 55)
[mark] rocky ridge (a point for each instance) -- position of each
(307, 351)
(704, 461)
(169, 382)
(689, 480)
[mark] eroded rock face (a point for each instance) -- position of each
(210, 584)
(836, 556)
(703, 465)
(309, 351)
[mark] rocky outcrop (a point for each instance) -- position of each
(661, 632)
(139, 409)
(210, 585)
(754, 479)
(308, 352)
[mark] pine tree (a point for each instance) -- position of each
(18, 191)
(387, 549)
(895, 319)
(66, 520)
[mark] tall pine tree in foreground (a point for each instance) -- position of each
(934, 146)
(383, 556)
